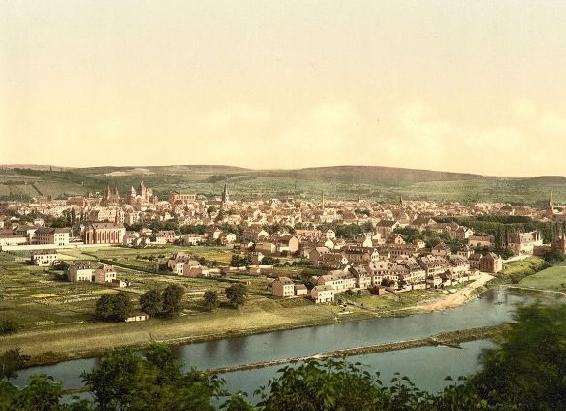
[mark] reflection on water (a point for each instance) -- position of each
(494, 307)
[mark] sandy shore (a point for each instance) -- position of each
(459, 297)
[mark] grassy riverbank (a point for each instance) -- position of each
(56, 321)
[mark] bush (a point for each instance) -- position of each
(8, 327)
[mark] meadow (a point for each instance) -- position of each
(552, 278)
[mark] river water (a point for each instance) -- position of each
(427, 366)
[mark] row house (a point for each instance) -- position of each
(43, 258)
(433, 265)
(339, 280)
(332, 260)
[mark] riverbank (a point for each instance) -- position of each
(94, 339)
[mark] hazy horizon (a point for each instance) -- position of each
(454, 86)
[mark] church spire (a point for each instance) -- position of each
(225, 194)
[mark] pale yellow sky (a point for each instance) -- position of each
(473, 86)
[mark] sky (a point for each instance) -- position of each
(453, 85)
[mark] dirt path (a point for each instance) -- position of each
(459, 297)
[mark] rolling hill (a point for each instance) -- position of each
(340, 182)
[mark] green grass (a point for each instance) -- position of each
(552, 278)
(514, 272)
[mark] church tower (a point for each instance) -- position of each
(225, 194)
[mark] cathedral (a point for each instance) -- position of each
(111, 196)
(142, 195)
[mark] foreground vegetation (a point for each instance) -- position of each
(527, 371)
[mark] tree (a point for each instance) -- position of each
(529, 367)
(172, 298)
(10, 362)
(41, 394)
(113, 307)
(211, 300)
(240, 260)
(151, 303)
(126, 379)
(236, 294)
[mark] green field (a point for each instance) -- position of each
(552, 278)
(516, 271)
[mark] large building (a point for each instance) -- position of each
(141, 195)
(111, 196)
(524, 243)
(104, 233)
(178, 198)
(57, 236)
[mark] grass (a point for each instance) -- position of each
(552, 278)
(389, 302)
(514, 272)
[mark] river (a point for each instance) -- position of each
(427, 366)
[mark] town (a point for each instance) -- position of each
(335, 246)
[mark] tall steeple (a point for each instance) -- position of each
(550, 202)
(225, 194)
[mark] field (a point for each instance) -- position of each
(552, 278)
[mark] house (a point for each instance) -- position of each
(491, 263)
(81, 271)
(194, 239)
(266, 248)
(7, 237)
(283, 287)
(474, 260)
(332, 260)
(57, 236)
(192, 268)
(104, 274)
(287, 244)
(176, 262)
(386, 227)
(481, 241)
(440, 250)
(164, 237)
(322, 294)
(434, 281)
(314, 255)
(524, 243)
(301, 290)
(340, 281)
(136, 318)
(43, 258)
